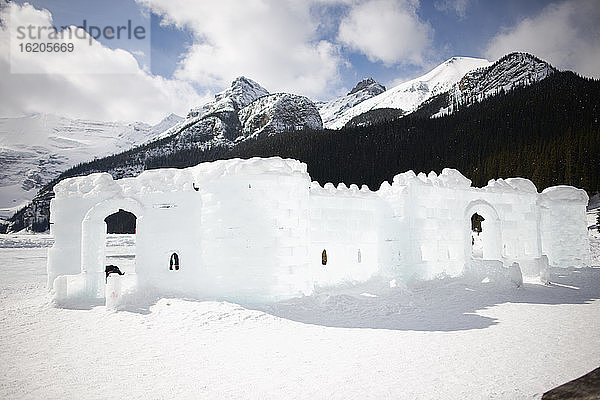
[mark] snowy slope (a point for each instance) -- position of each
(409, 95)
(332, 110)
(510, 71)
(444, 339)
(34, 149)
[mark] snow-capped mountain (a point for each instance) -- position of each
(244, 110)
(242, 92)
(512, 70)
(218, 119)
(409, 95)
(34, 149)
(332, 110)
(247, 110)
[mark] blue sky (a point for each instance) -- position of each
(321, 48)
(453, 34)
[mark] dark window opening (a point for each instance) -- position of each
(476, 221)
(174, 262)
(121, 222)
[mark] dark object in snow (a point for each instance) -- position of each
(112, 269)
(586, 387)
(324, 257)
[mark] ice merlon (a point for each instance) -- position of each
(255, 230)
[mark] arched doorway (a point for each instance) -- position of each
(94, 228)
(483, 236)
(476, 236)
(120, 244)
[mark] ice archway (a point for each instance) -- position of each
(93, 236)
(491, 233)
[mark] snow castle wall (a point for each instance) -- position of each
(425, 209)
(239, 228)
(428, 230)
(256, 230)
(563, 229)
(254, 237)
(345, 223)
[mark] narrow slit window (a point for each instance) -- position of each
(174, 262)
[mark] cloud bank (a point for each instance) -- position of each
(278, 42)
(387, 30)
(565, 34)
(303, 47)
(62, 86)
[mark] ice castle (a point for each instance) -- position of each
(259, 230)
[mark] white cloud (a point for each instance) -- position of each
(458, 6)
(274, 42)
(387, 30)
(63, 87)
(566, 34)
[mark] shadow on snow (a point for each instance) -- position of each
(448, 304)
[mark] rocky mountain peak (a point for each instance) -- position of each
(242, 92)
(369, 84)
(512, 70)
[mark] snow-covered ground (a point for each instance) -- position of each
(451, 339)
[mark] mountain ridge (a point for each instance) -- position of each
(408, 95)
(512, 70)
(332, 110)
(194, 137)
